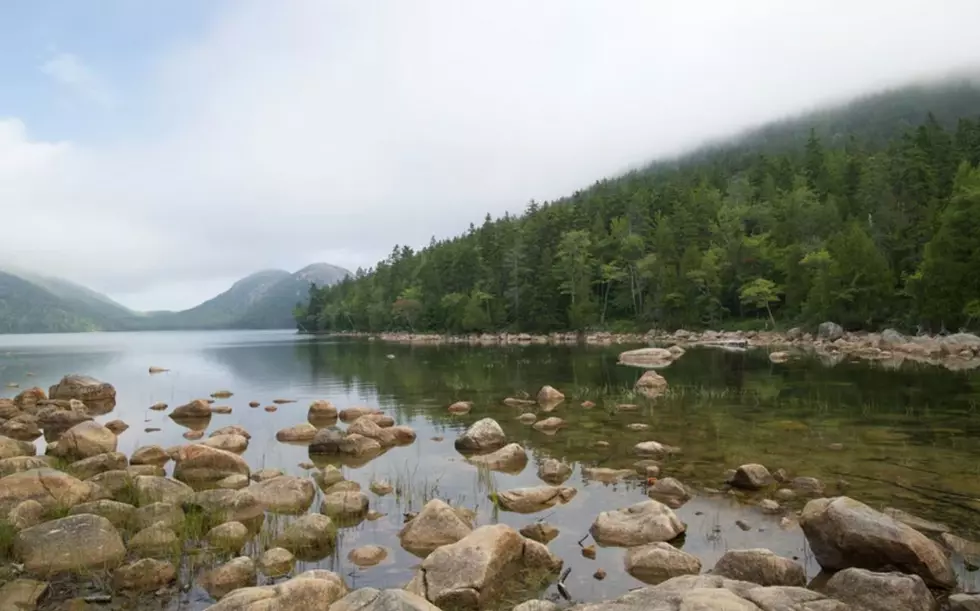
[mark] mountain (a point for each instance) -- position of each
(867, 214)
(33, 303)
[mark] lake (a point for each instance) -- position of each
(905, 438)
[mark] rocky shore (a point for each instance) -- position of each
(957, 351)
(86, 525)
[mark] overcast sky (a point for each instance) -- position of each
(159, 150)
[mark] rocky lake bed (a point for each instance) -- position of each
(268, 472)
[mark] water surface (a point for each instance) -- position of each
(905, 438)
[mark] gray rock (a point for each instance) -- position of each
(554, 471)
(964, 602)
(119, 514)
(760, 566)
(807, 486)
(658, 562)
(752, 477)
(932, 529)
(72, 544)
(171, 515)
(871, 591)
(482, 436)
(542, 532)
(646, 522)
(844, 533)
(100, 463)
(829, 331)
(436, 525)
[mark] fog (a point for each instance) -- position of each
(283, 133)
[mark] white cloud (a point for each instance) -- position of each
(68, 70)
(321, 130)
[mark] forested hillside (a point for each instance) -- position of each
(868, 215)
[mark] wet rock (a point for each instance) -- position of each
(310, 536)
(657, 562)
(752, 477)
(237, 573)
(760, 566)
(146, 575)
(381, 487)
(232, 429)
(844, 533)
(533, 499)
(158, 407)
(276, 562)
(18, 464)
(646, 522)
(236, 444)
(549, 396)
(460, 407)
(554, 471)
(221, 409)
(315, 590)
(783, 495)
(647, 357)
(284, 494)
(327, 476)
(53, 489)
(353, 413)
(72, 544)
(345, 505)
(605, 475)
(653, 448)
(201, 464)
(870, 591)
(483, 436)
(196, 409)
(84, 440)
(26, 514)
(542, 532)
(528, 418)
(365, 426)
(549, 424)
(155, 541)
(807, 486)
(509, 459)
(84, 388)
(651, 384)
(229, 537)
(359, 445)
(367, 555)
(402, 434)
(473, 571)
(119, 514)
(321, 411)
(226, 505)
(10, 448)
(964, 602)
(436, 525)
(932, 529)
(149, 455)
(770, 506)
(154, 489)
(100, 463)
(969, 550)
(170, 515)
(118, 427)
(669, 491)
(22, 594)
(588, 404)
(300, 433)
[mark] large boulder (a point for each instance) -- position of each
(752, 477)
(482, 436)
(326, 441)
(172, 516)
(475, 570)
(436, 525)
(73, 544)
(509, 459)
(647, 357)
(871, 591)
(201, 464)
(657, 562)
(713, 592)
(11, 448)
(311, 536)
(17, 464)
(639, 524)
(829, 331)
(236, 444)
(845, 533)
(84, 440)
(53, 489)
(149, 455)
(344, 506)
(314, 590)
(284, 494)
(100, 463)
(533, 499)
(554, 471)
(119, 514)
(156, 489)
(84, 388)
(760, 566)
(370, 599)
(223, 505)
(321, 413)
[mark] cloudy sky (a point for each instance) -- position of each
(158, 150)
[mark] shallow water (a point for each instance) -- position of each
(909, 436)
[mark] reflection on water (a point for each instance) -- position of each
(904, 438)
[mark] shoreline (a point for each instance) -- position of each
(957, 352)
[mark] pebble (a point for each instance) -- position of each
(600, 574)
(743, 525)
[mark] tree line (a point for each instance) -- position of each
(865, 231)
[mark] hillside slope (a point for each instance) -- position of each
(275, 310)
(867, 214)
(28, 308)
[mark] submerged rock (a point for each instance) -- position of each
(932, 529)
(276, 562)
(651, 384)
(72, 544)
(752, 477)
(646, 522)
(549, 396)
(483, 435)
(606, 475)
(436, 525)
(542, 532)
(460, 407)
(311, 536)
(533, 499)
(549, 424)
(844, 533)
(657, 562)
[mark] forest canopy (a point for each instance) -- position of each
(868, 216)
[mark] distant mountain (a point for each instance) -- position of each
(32, 303)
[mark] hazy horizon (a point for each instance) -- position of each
(158, 154)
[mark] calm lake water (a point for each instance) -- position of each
(906, 438)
